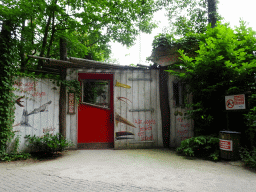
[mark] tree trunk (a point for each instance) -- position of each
(21, 45)
(164, 106)
(212, 12)
(62, 102)
(40, 62)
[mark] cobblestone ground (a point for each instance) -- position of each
(125, 170)
(21, 180)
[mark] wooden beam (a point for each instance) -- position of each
(62, 101)
(164, 106)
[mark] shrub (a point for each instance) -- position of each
(201, 146)
(249, 158)
(14, 155)
(47, 144)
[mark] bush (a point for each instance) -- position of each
(201, 146)
(249, 158)
(14, 154)
(47, 144)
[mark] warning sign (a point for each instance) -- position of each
(235, 102)
(226, 145)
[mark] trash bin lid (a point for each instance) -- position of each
(230, 132)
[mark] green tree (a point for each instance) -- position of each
(35, 27)
(224, 64)
(88, 26)
(191, 16)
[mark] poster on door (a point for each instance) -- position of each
(234, 102)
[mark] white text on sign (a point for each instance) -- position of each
(226, 145)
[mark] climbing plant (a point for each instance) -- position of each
(6, 96)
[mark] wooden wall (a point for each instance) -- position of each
(136, 102)
(37, 108)
(181, 128)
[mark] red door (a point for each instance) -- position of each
(95, 114)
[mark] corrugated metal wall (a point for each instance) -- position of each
(37, 108)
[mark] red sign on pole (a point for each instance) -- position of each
(226, 145)
(235, 102)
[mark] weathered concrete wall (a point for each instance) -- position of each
(37, 108)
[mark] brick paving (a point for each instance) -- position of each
(22, 180)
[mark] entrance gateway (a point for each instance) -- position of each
(119, 109)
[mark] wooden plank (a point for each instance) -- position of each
(123, 105)
(141, 95)
(73, 75)
(135, 104)
(148, 123)
(117, 109)
(127, 102)
(68, 116)
(153, 102)
(140, 79)
(141, 110)
(158, 115)
(56, 92)
(172, 111)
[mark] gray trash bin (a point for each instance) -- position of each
(229, 145)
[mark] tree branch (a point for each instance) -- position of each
(40, 63)
(51, 40)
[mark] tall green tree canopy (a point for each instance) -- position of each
(88, 26)
(224, 64)
(190, 16)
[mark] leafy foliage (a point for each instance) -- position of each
(35, 27)
(14, 154)
(8, 69)
(251, 122)
(47, 144)
(188, 16)
(248, 157)
(201, 146)
(224, 64)
(87, 26)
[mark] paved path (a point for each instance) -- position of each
(126, 170)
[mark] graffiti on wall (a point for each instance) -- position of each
(36, 112)
(49, 129)
(29, 87)
(124, 99)
(118, 84)
(123, 134)
(183, 127)
(25, 115)
(145, 126)
(120, 119)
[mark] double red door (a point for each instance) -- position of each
(95, 113)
